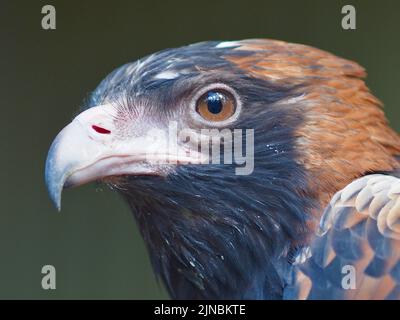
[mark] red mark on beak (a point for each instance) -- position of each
(101, 130)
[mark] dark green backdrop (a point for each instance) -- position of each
(44, 76)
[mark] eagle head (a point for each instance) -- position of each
(223, 220)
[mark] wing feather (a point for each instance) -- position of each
(359, 231)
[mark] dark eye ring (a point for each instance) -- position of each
(216, 105)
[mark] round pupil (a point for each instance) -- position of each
(214, 102)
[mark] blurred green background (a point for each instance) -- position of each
(44, 77)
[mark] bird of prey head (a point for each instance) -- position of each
(213, 233)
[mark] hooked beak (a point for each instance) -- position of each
(79, 152)
(90, 149)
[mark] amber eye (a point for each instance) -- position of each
(216, 105)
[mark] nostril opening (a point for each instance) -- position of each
(100, 130)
